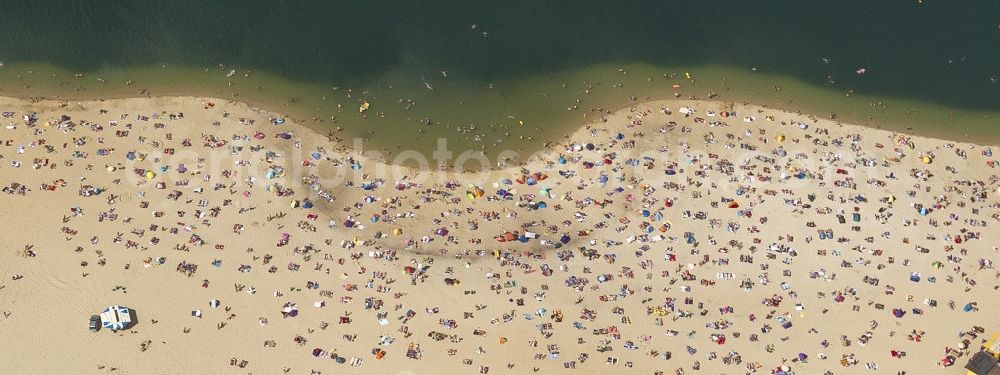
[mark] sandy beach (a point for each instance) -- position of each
(671, 237)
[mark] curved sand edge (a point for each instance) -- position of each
(48, 307)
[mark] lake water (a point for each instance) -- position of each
(515, 69)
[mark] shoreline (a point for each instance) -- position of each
(930, 120)
(607, 112)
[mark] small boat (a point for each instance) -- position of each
(364, 107)
(231, 73)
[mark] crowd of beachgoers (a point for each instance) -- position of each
(671, 237)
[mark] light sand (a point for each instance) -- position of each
(43, 328)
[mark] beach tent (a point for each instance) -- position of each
(982, 363)
(116, 318)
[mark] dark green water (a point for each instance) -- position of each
(932, 66)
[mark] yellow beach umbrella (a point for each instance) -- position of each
(150, 175)
(926, 159)
(780, 138)
(992, 345)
